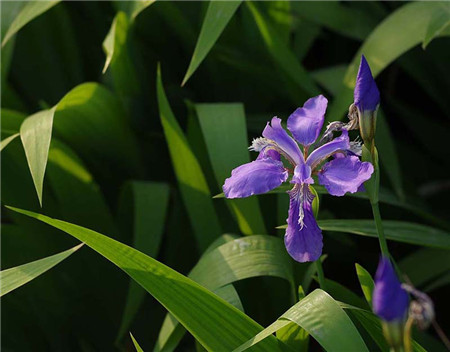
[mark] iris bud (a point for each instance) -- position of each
(366, 102)
(390, 303)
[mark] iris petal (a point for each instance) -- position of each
(303, 239)
(259, 176)
(342, 175)
(390, 300)
(275, 132)
(306, 122)
(340, 143)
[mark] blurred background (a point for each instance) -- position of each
(110, 168)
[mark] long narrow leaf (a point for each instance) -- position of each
(217, 17)
(216, 324)
(192, 183)
(13, 278)
(225, 133)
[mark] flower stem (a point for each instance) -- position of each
(320, 274)
(380, 229)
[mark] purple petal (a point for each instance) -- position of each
(390, 300)
(302, 174)
(340, 143)
(303, 239)
(288, 146)
(342, 175)
(305, 123)
(268, 153)
(259, 176)
(366, 94)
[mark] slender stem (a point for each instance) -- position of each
(320, 274)
(380, 229)
(407, 335)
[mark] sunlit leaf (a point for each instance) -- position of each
(8, 140)
(27, 13)
(233, 261)
(439, 21)
(36, 134)
(225, 134)
(218, 15)
(136, 344)
(216, 324)
(366, 282)
(13, 278)
(321, 316)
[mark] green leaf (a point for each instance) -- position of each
(366, 282)
(281, 54)
(322, 317)
(341, 293)
(133, 8)
(150, 207)
(27, 13)
(218, 15)
(236, 260)
(399, 32)
(216, 324)
(192, 183)
(8, 140)
(36, 134)
(225, 133)
(13, 278)
(399, 231)
(135, 343)
(439, 21)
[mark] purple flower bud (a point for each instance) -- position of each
(366, 100)
(390, 300)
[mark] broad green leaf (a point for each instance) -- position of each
(294, 336)
(13, 278)
(216, 324)
(36, 134)
(341, 293)
(218, 15)
(366, 282)
(136, 344)
(150, 202)
(192, 183)
(225, 133)
(233, 261)
(439, 21)
(7, 140)
(437, 264)
(282, 54)
(27, 13)
(399, 32)
(322, 317)
(399, 231)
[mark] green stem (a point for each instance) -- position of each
(380, 229)
(320, 274)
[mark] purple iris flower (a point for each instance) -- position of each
(390, 300)
(345, 173)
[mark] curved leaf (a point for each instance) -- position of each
(8, 140)
(217, 16)
(27, 13)
(322, 317)
(136, 344)
(366, 282)
(216, 324)
(233, 261)
(13, 278)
